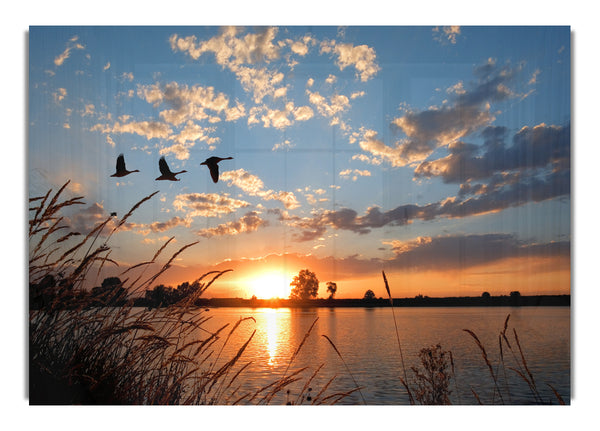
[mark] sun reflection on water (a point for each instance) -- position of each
(271, 316)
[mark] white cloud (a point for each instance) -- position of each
(236, 54)
(188, 103)
(362, 58)
(71, 44)
(207, 204)
(279, 118)
(283, 145)
(89, 109)
(127, 76)
(254, 186)
(147, 129)
(447, 34)
(59, 95)
(354, 173)
(328, 108)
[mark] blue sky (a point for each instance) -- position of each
(440, 154)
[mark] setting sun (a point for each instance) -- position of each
(272, 284)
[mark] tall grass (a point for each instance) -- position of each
(81, 352)
(431, 379)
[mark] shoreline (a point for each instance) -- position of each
(493, 301)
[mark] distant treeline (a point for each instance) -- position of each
(492, 301)
(112, 293)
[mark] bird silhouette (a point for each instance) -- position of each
(121, 170)
(212, 164)
(166, 173)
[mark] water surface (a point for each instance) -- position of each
(366, 339)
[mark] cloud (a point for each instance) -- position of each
(260, 81)
(207, 204)
(169, 224)
(282, 118)
(370, 143)
(254, 186)
(469, 111)
(85, 220)
(89, 109)
(147, 129)
(127, 76)
(157, 240)
(228, 49)
(237, 54)
(250, 222)
(447, 34)
(301, 46)
(467, 251)
(283, 145)
(288, 199)
(535, 168)
(106, 66)
(187, 137)
(534, 77)
(362, 58)
(310, 197)
(59, 95)
(354, 173)
(243, 179)
(336, 104)
(71, 44)
(533, 148)
(187, 103)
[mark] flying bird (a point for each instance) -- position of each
(212, 163)
(166, 173)
(121, 169)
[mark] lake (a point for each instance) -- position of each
(367, 342)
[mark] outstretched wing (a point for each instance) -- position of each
(214, 172)
(120, 163)
(162, 165)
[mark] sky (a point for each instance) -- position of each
(441, 155)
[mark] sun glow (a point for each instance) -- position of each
(271, 284)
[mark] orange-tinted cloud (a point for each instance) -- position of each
(250, 222)
(207, 204)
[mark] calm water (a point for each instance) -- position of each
(367, 341)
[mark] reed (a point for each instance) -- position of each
(81, 351)
(519, 368)
(404, 380)
(345, 365)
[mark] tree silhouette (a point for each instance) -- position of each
(515, 298)
(111, 292)
(369, 295)
(305, 285)
(331, 289)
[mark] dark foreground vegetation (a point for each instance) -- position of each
(101, 347)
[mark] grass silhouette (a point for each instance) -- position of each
(82, 353)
